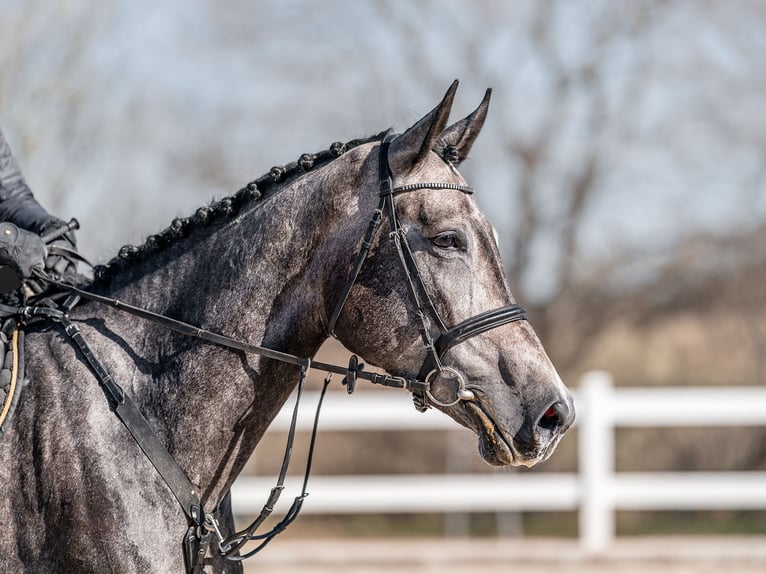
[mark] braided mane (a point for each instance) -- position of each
(262, 187)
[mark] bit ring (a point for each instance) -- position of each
(463, 394)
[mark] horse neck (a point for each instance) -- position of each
(258, 278)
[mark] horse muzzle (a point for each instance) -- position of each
(532, 443)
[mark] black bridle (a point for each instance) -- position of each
(423, 303)
(202, 525)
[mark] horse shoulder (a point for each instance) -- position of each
(78, 472)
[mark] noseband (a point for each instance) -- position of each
(423, 303)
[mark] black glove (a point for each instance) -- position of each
(20, 253)
(62, 254)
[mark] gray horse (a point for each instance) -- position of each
(268, 265)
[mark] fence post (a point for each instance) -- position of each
(596, 462)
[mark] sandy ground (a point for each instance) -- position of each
(666, 555)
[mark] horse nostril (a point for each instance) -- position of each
(557, 416)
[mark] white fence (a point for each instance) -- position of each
(596, 492)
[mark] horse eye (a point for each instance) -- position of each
(447, 240)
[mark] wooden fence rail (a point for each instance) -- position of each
(596, 491)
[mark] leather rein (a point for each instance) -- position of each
(203, 525)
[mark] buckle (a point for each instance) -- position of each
(352, 372)
(386, 187)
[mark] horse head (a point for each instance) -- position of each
(431, 300)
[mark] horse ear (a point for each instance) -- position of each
(462, 134)
(413, 145)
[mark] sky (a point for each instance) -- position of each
(128, 114)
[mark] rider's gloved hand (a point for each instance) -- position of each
(62, 251)
(20, 252)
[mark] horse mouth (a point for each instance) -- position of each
(494, 447)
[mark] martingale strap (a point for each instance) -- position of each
(195, 542)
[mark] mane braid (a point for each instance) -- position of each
(264, 186)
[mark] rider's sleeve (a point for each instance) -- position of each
(17, 204)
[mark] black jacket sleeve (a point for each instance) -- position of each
(17, 204)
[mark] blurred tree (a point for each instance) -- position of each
(44, 101)
(609, 123)
(613, 137)
(555, 149)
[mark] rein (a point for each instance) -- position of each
(353, 373)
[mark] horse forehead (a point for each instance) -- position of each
(437, 203)
(434, 168)
(430, 206)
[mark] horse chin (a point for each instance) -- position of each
(494, 448)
